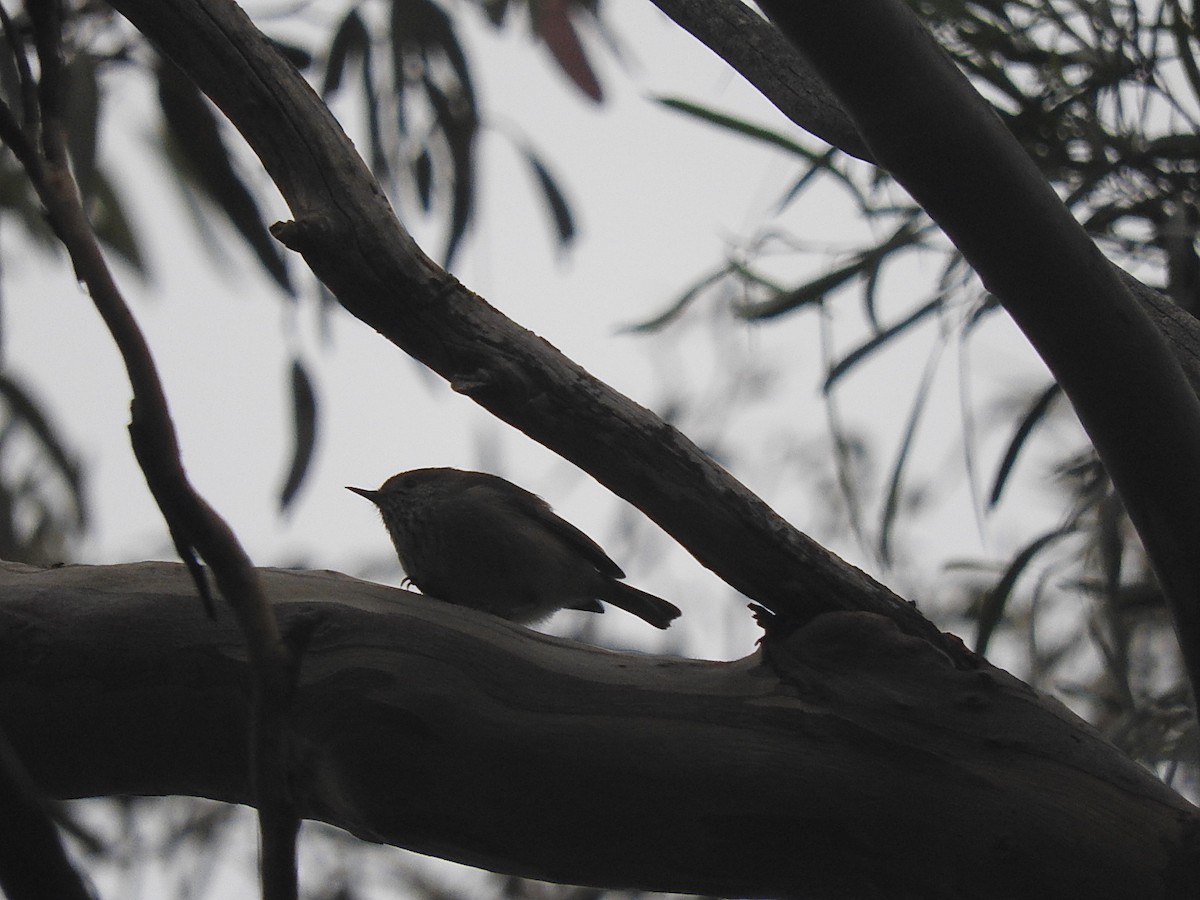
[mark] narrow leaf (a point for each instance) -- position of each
(196, 136)
(891, 505)
(676, 309)
(1036, 412)
(991, 611)
(24, 408)
(564, 223)
(739, 126)
(553, 25)
(304, 429)
(856, 356)
(350, 41)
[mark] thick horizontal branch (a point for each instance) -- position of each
(845, 759)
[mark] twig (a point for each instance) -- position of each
(195, 527)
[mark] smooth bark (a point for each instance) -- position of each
(843, 759)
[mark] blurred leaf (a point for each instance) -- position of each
(195, 134)
(496, 10)
(350, 42)
(103, 204)
(460, 137)
(82, 116)
(1036, 412)
(1110, 519)
(111, 225)
(552, 22)
(423, 175)
(853, 358)
(866, 264)
(304, 428)
(891, 504)
(807, 294)
(991, 611)
(23, 409)
(676, 309)
(564, 224)
(822, 164)
(742, 127)
(422, 29)
(297, 56)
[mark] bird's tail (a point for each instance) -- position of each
(655, 610)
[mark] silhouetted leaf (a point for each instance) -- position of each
(495, 10)
(742, 127)
(677, 308)
(822, 165)
(297, 56)
(196, 135)
(564, 224)
(891, 504)
(991, 611)
(1036, 412)
(423, 175)
(422, 29)
(865, 264)
(854, 357)
(304, 428)
(111, 225)
(807, 294)
(24, 410)
(552, 22)
(82, 114)
(350, 42)
(460, 138)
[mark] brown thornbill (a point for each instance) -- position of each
(477, 540)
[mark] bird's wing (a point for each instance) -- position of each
(539, 510)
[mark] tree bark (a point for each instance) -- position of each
(844, 759)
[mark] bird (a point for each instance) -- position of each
(478, 540)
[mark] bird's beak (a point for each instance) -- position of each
(363, 492)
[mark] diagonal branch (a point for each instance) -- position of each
(931, 130)
(351, 239)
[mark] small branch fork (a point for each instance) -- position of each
(37, 139)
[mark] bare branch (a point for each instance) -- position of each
(844, 759)
(194, 525)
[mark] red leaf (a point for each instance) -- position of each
(553, 24)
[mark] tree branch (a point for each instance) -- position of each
(194, 526)
(937, 137)
(754, 47)
(843, 759)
